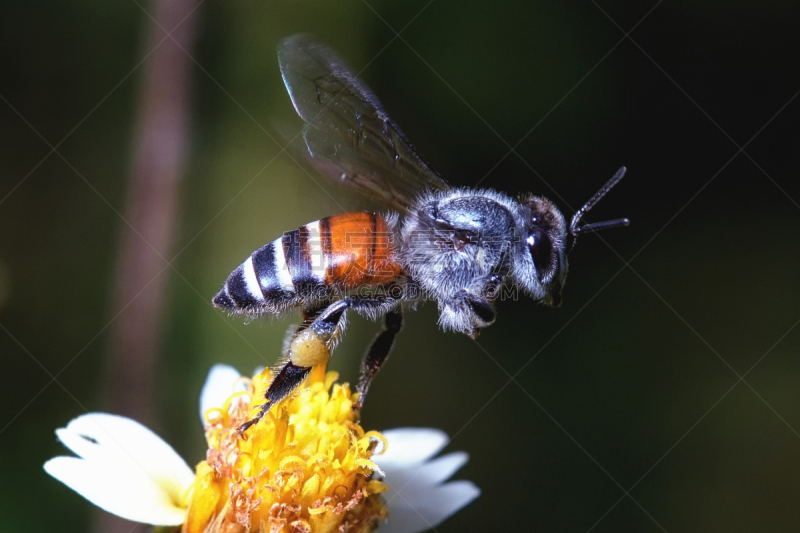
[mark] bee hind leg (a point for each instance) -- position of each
(378, 353)
(310, 314)
(288, 378)
(311, 345)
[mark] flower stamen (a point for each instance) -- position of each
(305, 466)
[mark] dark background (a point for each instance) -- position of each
(663, 395)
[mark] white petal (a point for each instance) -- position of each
(411, 445)
(426, 474)
(104, 435)
(118, 491)
(125, 468)
(417, 500)
(222, 381)
(412, 512)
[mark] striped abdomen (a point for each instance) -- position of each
(308, 264)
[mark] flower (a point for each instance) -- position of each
(307, 466)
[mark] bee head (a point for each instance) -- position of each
(540, 266)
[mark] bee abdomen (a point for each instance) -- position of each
(306, 264)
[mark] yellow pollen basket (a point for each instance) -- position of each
(305, 467)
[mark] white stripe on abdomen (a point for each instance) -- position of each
(251, 280)
(318, 260)
(281, 268)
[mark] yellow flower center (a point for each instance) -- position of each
(305, 467)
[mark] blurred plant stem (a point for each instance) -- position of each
(158, 159)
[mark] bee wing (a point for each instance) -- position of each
(348, 135)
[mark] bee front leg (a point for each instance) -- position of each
(310, 346)
(467, 313)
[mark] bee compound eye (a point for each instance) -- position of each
(541, 248)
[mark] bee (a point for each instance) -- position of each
(455, 245)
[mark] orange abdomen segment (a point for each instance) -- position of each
(359, 249)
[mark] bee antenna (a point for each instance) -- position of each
(575, 230)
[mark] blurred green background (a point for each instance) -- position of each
(625, 412)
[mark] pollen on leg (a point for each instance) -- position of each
(308, 349)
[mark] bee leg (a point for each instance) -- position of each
(309, 315)
(289, 377)
(378, 353)
(310, 346)
(480, 306)
(467, 312)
